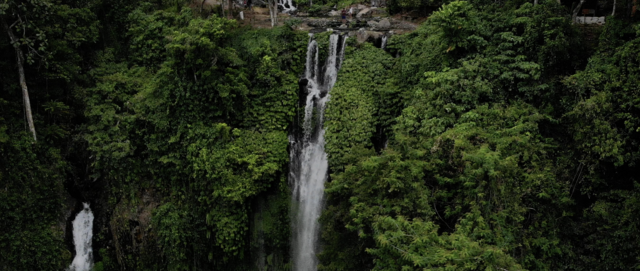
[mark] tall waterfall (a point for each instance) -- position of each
(82, 235)
(309, 165)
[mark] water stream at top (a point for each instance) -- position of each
(309, 164)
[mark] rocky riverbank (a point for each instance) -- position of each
(369, 24)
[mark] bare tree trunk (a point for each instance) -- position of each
(273, 12)
(270, 11)
(576, 10)
(613, 13)
(23, 81)
(222, 8)
(230, 14)
(535, 2)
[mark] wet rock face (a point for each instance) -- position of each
(374, 37)
(69, 209)
(130, 229)
(316, 25)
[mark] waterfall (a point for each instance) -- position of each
(287, 6)
(331, 68)
(341, 57)
(309, 164)
(384, 42)
(82, 234)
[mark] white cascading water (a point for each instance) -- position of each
(309, 164)
(384, 42)
(287, 6)
(82, 235)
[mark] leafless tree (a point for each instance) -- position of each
(613, 13)
(273, 11)
(23, 82)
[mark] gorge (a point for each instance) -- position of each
(182, 135)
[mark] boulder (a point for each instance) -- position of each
(364, 12)
(362, 35)
(379, 12)
(361, 6)
(334, 13)
(321, 23)
(259, 10)
(384, 23)
(373, 35)
(372, 24)
(304, 27)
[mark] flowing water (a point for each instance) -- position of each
(309, 164)
(82, 234)
(287, 6)
(384, 42)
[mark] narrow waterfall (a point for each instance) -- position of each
(82, 235)
(309, 164)
(384, 42)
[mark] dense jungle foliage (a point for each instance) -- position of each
(497, 136)
(499, 148)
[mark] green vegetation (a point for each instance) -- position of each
(203, 122)
(190, 106)
(501, 154)
(494, 137)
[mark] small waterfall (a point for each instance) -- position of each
(341, 57)
(287, 6)
(82, 235)
(384, 42)
(309, 164)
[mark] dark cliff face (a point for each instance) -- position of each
(124, 236)
(114, 224)
(128, 233)
(70, 208)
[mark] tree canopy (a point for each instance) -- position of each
(496, 136)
